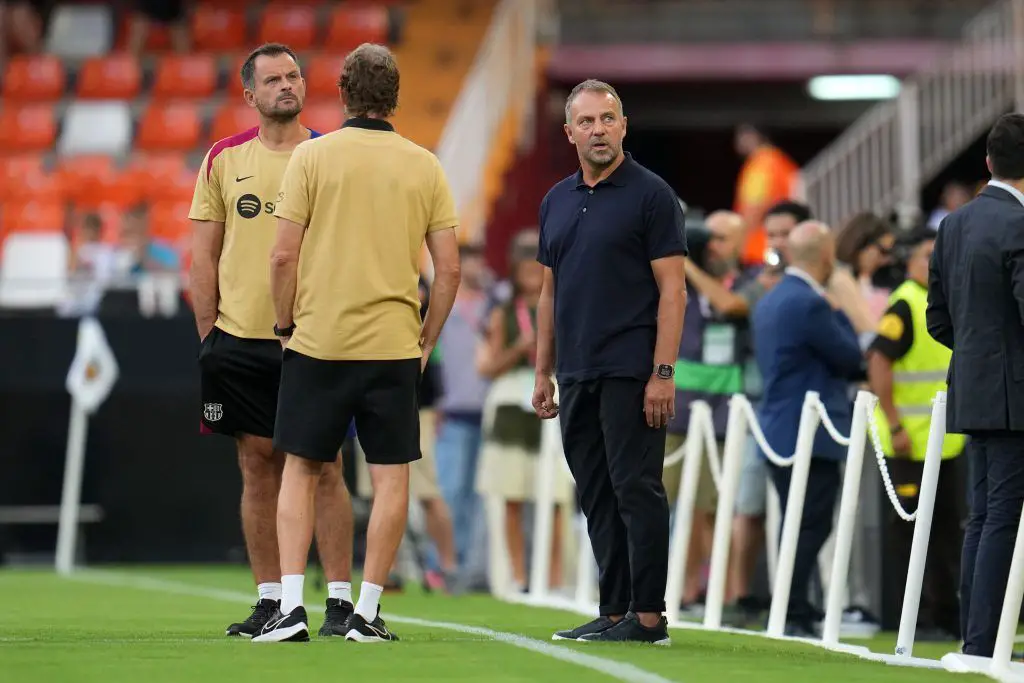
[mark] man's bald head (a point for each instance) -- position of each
(727, 231)
(812, 247)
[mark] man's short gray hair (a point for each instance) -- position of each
(590, 85)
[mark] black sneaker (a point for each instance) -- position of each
(362, 631)
(261, 613)
(285, 628)
(630, 630)
(337, 613)
(595, 626)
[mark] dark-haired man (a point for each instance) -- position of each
(240, 359)
(354, 210)
(976, 308)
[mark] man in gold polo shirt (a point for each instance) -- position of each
(354, 210)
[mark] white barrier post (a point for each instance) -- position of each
(679, 545)
(1011, 608)
(544, 510)
(732, 463)
(801, 465)
(847, 518)
(922, 528)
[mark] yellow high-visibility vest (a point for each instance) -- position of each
(917, 377)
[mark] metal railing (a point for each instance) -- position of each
(881, 162)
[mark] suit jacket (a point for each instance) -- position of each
(976, 308)
(802, 345)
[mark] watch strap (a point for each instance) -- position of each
(286, 332)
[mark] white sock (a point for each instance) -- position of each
(340, 590)
(369, 600)
(291, 592)
(269, 591)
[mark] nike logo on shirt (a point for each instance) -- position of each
(238, 180)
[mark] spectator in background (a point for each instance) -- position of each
(954, 195)
(460, 413)
(906, 368)
(137, 253)
(712, 355)
(804, 342)
(22, 23)
(90, 269)
(864, 246)
(170, 13)
(508, 460)
(767, 177)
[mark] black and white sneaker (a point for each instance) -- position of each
(335, 617)
(630, 630)
(285, 628)
(361, 631)
(261, 612)
(595, 626)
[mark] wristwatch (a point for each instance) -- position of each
(665, 371)
(286, 332)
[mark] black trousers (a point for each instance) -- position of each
(617, 462)
(815, 526)
(940, 607)
(997, 494)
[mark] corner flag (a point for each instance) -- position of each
(94, 370)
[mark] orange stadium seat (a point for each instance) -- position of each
(325, 117)
(218, 28)
(33, 216)
(185, 76)
(321, 75)
(355, 23)
(114, 77)
(90, 181)
(169, 126)
(161, 176)
(31, 127)
(15, 170)
(34, 78)
(168, 221)
(34, 184)
(293, 25)
(232, 118)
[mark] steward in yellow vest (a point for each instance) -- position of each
(906, 367)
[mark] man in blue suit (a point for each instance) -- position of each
(803, 342)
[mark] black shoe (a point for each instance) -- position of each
(285, 628)
(337, 613)
(261, 613)
(595, 626)
(375, 631)
(801, 628)
(630, 630)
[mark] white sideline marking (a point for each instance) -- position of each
(618, 670)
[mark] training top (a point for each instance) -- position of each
(367, 197)
(237, 185)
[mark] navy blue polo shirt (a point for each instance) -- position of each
(599, 242)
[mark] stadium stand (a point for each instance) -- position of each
(89, 127)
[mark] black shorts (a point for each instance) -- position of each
(240, 379)
(320, 398)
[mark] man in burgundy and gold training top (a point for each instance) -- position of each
(240, 357)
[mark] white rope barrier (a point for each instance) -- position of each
(890, 490)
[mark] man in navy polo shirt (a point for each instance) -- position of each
(611, 310)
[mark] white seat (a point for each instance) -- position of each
(78, 31)
(96, 128)
(33, 270)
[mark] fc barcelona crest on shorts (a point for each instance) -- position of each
(213, 412)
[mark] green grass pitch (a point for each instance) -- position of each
(165, 625)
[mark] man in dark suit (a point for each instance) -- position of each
(804, 342)
(976, 308)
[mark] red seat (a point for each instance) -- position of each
(114, 77)
(292, 25)
(322, 75)
(30, 127)
(33, 216)
(91, 181)
(161, 176)
(355, 23)
(323, 118)
(15, 170)
(34, 78)
(185, 76)
(168, 221)
(218, 28)
(232, 118)
(169, 126)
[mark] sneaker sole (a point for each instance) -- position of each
(237, 635)
(664, 642)
(357, 637)
(558, 637)
(299, 633)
